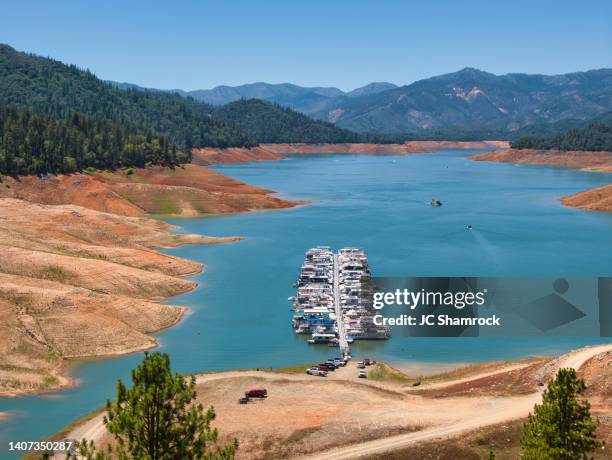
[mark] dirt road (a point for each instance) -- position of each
(510, 409)
(363, 400)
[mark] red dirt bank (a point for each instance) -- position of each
(209, 156)
(597, 199)
(189, 190)
(583, 160)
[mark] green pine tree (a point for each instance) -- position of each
(561, 428)
(157, 419)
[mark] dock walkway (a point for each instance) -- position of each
(342, 342)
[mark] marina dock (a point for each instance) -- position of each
(342, 340)
(333, 302)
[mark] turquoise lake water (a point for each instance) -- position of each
(240, 316)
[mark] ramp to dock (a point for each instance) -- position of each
(342, 342)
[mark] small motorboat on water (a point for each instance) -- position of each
(435, 202)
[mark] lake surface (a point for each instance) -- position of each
(240, 315)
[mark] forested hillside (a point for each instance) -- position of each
(55, 89)
(31, 143)
(270, 123)
(594, 137)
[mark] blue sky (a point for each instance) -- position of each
(201, 44)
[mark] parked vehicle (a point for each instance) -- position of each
(367, 361)
(316, 371)
(360, 365)
(243, 400)
(362, 374)
(257, 393)
(327, 367)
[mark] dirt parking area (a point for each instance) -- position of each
(306, 414)
(300, 416)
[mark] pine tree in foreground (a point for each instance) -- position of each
(561, 428)
(157, 419)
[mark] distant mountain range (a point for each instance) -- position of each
(472, 99)
(467, 100)
(468, 104)
(304, 99)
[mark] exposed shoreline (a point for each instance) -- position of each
(270, 152)
(581, 160)
(79, 283)
(189, 190)
(73, 244)
(597, 199)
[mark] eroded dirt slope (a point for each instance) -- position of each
(188, 190)
(76, 282)
(596, 199)
(407, 147)
(586, 161)
(265, 152)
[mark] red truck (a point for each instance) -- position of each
(256, 393)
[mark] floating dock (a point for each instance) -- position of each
(333, 302)
(342, 340)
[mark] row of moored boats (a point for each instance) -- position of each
(314, 304)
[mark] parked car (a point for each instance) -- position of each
(257, 393)
(338, 362)
(327, 367)
(367, 361)
(243, 400)
(316, 371)
(360, 365)
(362, 374)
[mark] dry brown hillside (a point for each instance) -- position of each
(77, 282)
(210, 156)
(79, 274)
(596, 199)
(586, 161)
(187, 190)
